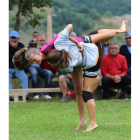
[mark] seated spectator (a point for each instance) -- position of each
(105, 47)
(34, 35)
(35, 70)
(73, 34)
(125, 50)
(65, 83)
(114, 71)
(14, 46)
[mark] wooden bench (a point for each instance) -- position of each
(98, 94)
(41, 82)
(22, 92)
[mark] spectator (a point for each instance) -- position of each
(35, 70)
(125, 50)
(14, 46)
(73, 34)
(105, 47)
(65, 83)
(34, 35)
(114, 71)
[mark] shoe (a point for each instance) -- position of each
(36, 97)
(47, 96)
(121, 96)
(65, 99)
(27, 97)
(105, 98)
(129, 95)
(11, 98)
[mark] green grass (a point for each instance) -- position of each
(51, 120)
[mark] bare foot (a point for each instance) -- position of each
(123, 27)
(91, 127)
(80, 125)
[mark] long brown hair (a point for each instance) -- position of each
(54, 56)
(20, 59)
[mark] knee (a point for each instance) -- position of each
(105, 80)
(61, 79)
(33, 72)
(98, 79)
(48, 74)
(127, 78)
(78, 89)
(24, 77)
(87, 96)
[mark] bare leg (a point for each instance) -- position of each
(106, 34)
(122, 29)
(88, 86)
(63, 84)
(77, 76)
(98, 79)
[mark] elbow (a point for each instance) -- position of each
(70, 25)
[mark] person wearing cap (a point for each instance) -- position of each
(125, 50)
(14, 46)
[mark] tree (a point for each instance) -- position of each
(25, 9)
(94, 14)
(84, 9)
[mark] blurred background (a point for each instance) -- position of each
(85, 15)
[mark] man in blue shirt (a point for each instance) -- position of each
(14, 46)
(105, 47)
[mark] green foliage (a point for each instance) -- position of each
(116, 7)
(94, 14)
(25, 9)
(84, 9)
(70, 11)
(108, 14)
(51, 120)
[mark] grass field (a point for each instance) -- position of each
(51, 120)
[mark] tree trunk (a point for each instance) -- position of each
(17, 24)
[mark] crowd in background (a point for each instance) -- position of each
(115, 70)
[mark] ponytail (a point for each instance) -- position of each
(19, 60)
(54, 56)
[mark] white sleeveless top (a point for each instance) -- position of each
(90, 53)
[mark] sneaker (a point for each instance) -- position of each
(105, 98)
(129, 95)
(47, 96)
(36, 97)
(12, 98)
(65, 99)
(121, 96)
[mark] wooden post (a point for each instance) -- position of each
(49, 24)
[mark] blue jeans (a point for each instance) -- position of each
(123, 84)
(36, 71)
(60, 72)
(21, 75)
